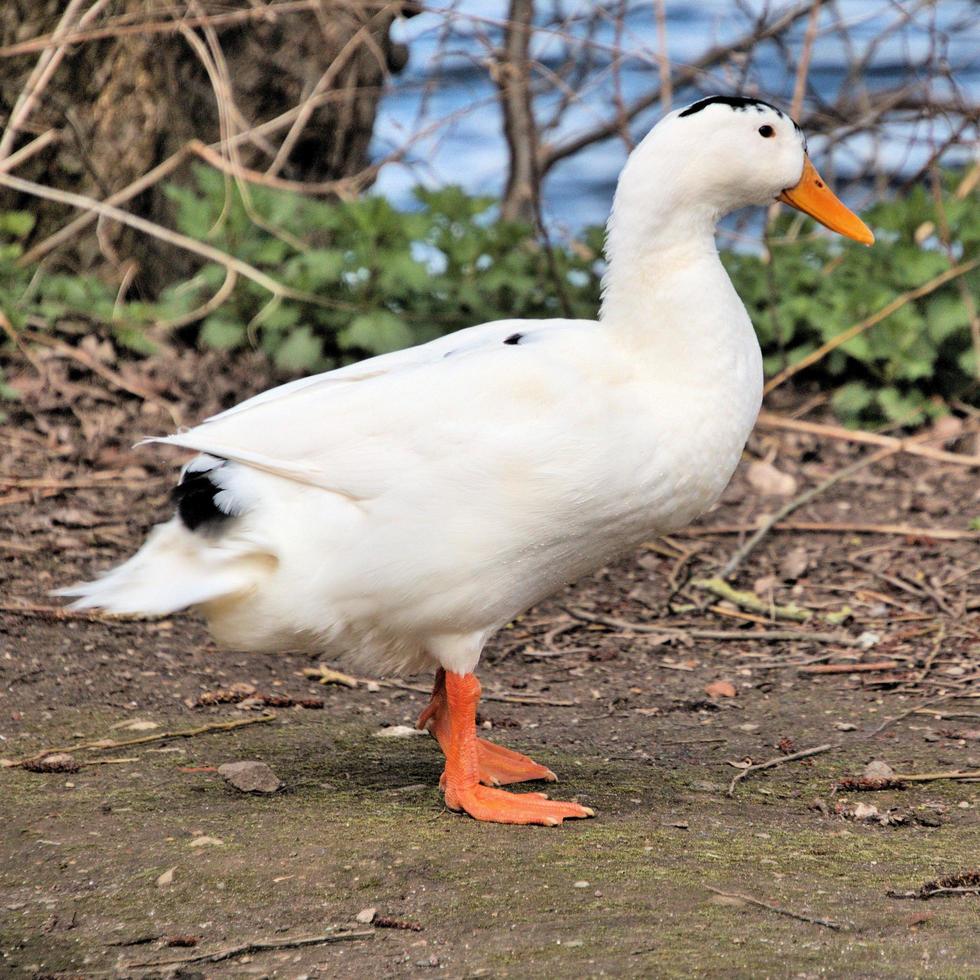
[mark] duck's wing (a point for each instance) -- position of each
(353, 430)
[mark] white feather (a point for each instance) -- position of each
(406, 507)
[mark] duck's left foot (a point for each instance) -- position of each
(470, 761)
(498, 766)
(499, 806)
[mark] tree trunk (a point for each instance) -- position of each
(125, 103)
(513, 77)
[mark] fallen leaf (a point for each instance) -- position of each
(794, 563)
(135, 725)
(769, 481)
(366, 916)
(167, 878)
(720, 689)
(53, 762)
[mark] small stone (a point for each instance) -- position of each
(167, 878)
(581, 884)
(865, 811)
(720, 689)
(400, 731)
(964, 805)
(366, 916)
(250, 777)
(205, 841)
(845, 726)
(878, 769)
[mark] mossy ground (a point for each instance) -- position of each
(359, 824)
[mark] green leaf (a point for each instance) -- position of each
(376, 333)
(222, 334)
(16, 223)
(301, 351)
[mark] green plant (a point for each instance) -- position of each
(378, 279)
(812, 289)
(364, 277)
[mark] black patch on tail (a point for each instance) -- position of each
(194, 497)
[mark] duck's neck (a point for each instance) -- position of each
(662, 259)
(667, 297)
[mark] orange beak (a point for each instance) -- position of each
(812, 196)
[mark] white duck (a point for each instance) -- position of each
(406, 507)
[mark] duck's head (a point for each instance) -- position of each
(726, 152)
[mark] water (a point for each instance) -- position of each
(455, 96)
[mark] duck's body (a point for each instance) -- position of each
(404, 508)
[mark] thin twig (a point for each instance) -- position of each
(853, 668)
(826, 923)
(770, 420)
(845, 527)
(100, 745)
(259, 946)
(804, 498)
(778, 761)
(862, 325)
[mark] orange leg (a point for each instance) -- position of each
(462, 776)
(498, 766)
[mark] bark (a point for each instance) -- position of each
(127, 102)
(513, 77)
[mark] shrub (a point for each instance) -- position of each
(362, 278)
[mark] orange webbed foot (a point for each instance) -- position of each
(500, 766)
(499, 806)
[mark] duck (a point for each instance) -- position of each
(402, 509)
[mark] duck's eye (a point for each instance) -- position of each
(767, 131)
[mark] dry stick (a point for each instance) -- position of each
(337, 64)
(262, 12)
(804, 498)
(861, 326)
(770, 420)
(101, 744)
(850, 668)
(931, 777)
(550, 155)
(158, 231)
(826, 923)
(29, 150)
(932, 893)
(663, 57)
(258, 946)
(47, 65)
(771, 636)
(845, 527)
(778, 761)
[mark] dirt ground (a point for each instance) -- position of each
(107, 869)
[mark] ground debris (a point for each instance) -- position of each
(720, 689)
(250, 776)
(245, 695)
(962, 883)
(387, 922)
(738, 897)
(258, 946)
(53, 762)
(857, 784)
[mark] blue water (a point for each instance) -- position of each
(454, 95)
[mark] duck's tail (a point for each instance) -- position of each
(176, 568)
(203, 555)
